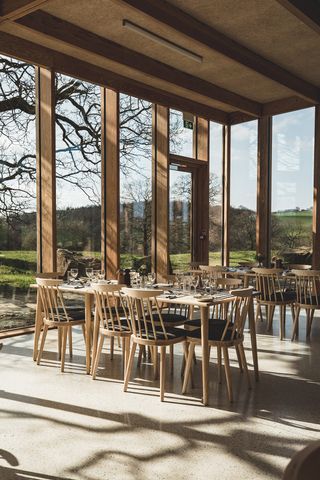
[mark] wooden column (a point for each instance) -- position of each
(263, 225)
(226, 194)
(316, 193)
(46, 168)
(110, 211)
(160, 244)
(201, 194)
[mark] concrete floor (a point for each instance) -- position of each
(67, 426)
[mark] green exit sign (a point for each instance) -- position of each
(188, 124)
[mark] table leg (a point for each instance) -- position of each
(37, 326)
(88, 306)
(252, 327)
(205, 353)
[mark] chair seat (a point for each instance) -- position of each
(314, 301)
(283, 297)
(172, 334)
(124, 326)
(75, 313)
(197, 322)
(170, 319)
(216, 329)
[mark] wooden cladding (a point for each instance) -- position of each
(161, 191)
(110, 183)
(46, 170)
(226, 194)
(316, 193)
(263, 223)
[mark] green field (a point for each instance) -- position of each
(18, 268)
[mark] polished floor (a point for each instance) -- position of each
(67, 426)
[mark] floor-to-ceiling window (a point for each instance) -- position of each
(243, 193)
(135, 182)
(18, 242)
(292, 186)
(78, 173)
(215, 194)
(181, 133)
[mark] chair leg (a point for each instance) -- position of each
(245, 365)
(188, 367)
(84, 332)
(228, 373)
(309, 322)
(162, 372)
(129, 367)
(141, 351)
(155, 362)
(282, 310)
(171, 358)
(111, 347)
(239, 357)
(295, 324)
(59, 342)
(70, 340)
(127, 352)
(258, 312)
(43, 339)
(219, 364)
(97, 356)
(64, 347)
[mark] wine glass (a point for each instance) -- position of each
(151, 278)
(74, 273)
(101, 275)
(89, 272)
(95, 276)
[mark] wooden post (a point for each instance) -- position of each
(226, 194)
(316, 193)
(46, 170)
(160, 244)
(201, 195)
(263, 223)
(110, 182)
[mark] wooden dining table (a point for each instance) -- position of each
(87, 294)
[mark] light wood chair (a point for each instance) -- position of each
(225, 333)
(272, 294)
(308, 297)
(111, 321)
(55, 314)
(305, 464)
(149, 330)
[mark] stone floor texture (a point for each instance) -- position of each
(67, 426)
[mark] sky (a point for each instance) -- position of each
(292, 162)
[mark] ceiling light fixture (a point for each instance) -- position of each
(162, 41)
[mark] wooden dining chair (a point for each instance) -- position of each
(273, 293)
(148, 329)
(225, 333)
(111, 321)
(307, 297)
(56, 314)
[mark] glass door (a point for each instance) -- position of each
(180, 218)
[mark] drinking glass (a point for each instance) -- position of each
(95, 276)
(89, 272)
(101, 275)
(151, 278)
(74, 273)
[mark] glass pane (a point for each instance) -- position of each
(181, 136)
(243, 193)
(292, 185)
(215, 194)
(18, 228)
(78, 170)
(180, 223)
(135, 182)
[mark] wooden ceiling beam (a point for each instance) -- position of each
(71, 34)
(68, 65)
(13, 9)
(308, 11)
(186, 24)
